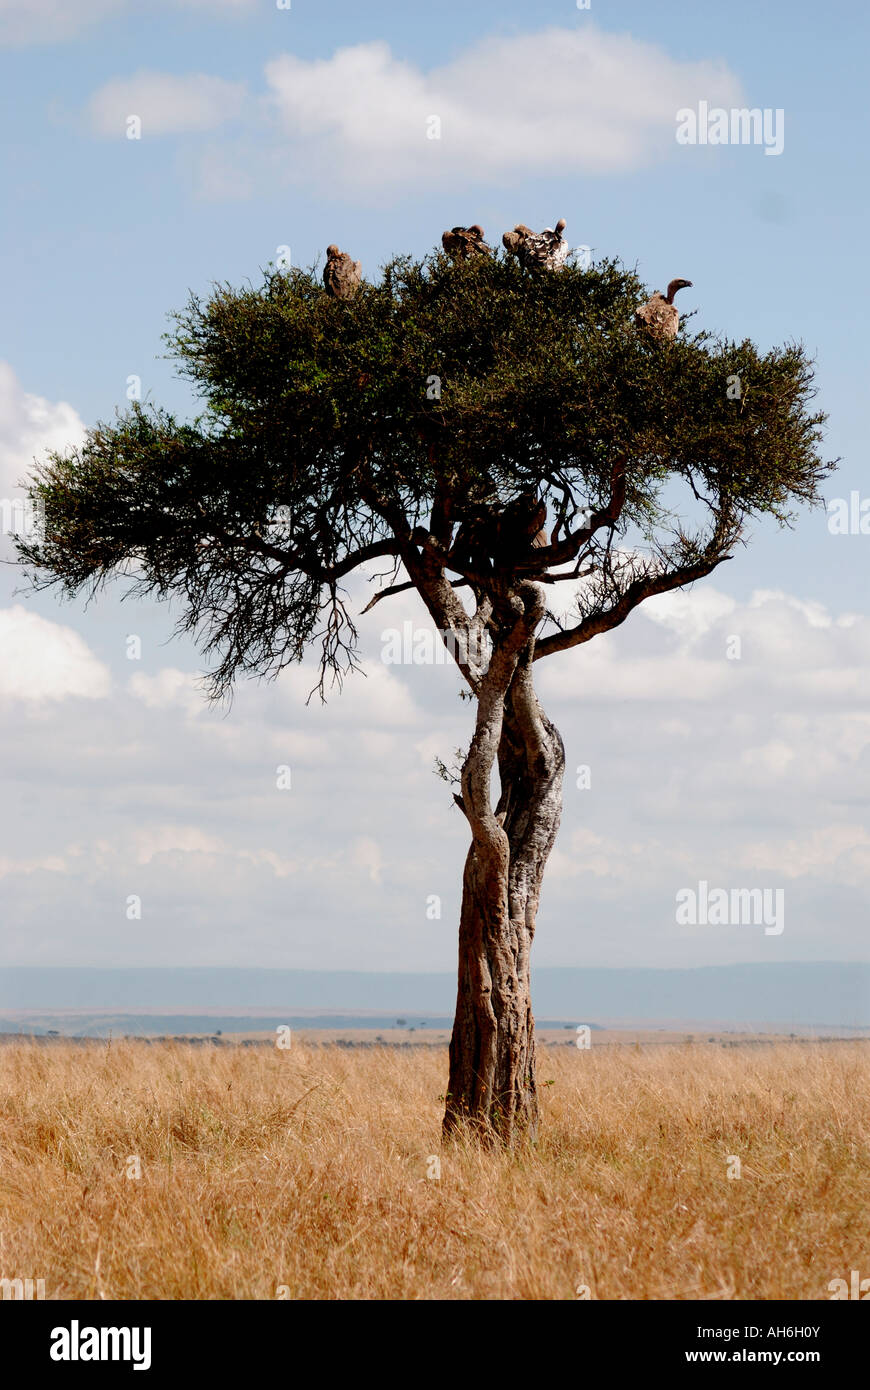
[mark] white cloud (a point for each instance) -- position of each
(562, 100)
(815, 613)
(374, 696)
(751, 783)
(599, 670)
(786, 645)
(52, 863)
(168, 689)
(366, 855)
(44, 661)
(767, 761)
(559, 101)
(29, 425)
(166, 104)
(588, 853)
(841, 852)
(170, 839)
(690, 613)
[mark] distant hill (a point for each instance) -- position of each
(802, 994)
(104, 1024)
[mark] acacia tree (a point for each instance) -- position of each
(421, 425)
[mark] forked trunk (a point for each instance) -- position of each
(492, 1087)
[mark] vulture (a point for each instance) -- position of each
(659, 316)
(546, 250)
(520, 526)
(464, 242)
(501, 535)
(341, 274)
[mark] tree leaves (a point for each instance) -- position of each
(328, 429)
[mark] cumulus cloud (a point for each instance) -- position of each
(52, 863)
(44, 661)
(745, 773)
(29, 425)
(165, 104)
(169, 688)
(366, 855)
(562, 100)
(839, 851)
(712, 646)
(566, 101)
(173, 839)
(377, 697)
(689, 613)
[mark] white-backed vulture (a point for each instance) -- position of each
(659, 316)
(341, 274)
(546, 250)
(464, 242)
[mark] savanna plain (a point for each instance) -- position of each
(161, 1171)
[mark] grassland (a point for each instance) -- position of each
(305, 1173)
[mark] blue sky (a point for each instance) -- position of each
(266, 127)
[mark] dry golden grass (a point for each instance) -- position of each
(308, 1169)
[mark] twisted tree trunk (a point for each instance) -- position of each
(492, 1085)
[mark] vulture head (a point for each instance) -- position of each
(332, 251)
(674, 286)
(561, 225)
(512, 241)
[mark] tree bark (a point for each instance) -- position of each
(492, 1088)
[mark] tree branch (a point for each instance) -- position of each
(426, 571)
(568, 549)
(644, 587)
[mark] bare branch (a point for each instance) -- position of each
(402, 588)
(644, 585)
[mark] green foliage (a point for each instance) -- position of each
(321, 423)
(539, 376)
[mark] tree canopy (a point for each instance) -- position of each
(335, 433)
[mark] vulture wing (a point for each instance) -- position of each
(463, 242)
(547, 250)
(659, 318)
(342, 275)
(347, 276)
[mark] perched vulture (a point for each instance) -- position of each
(472, 545)
(520, 526)
(501, 535)
(341, 274)
(512, 241)
(464, 242)
(659, 316)
(546, 250)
